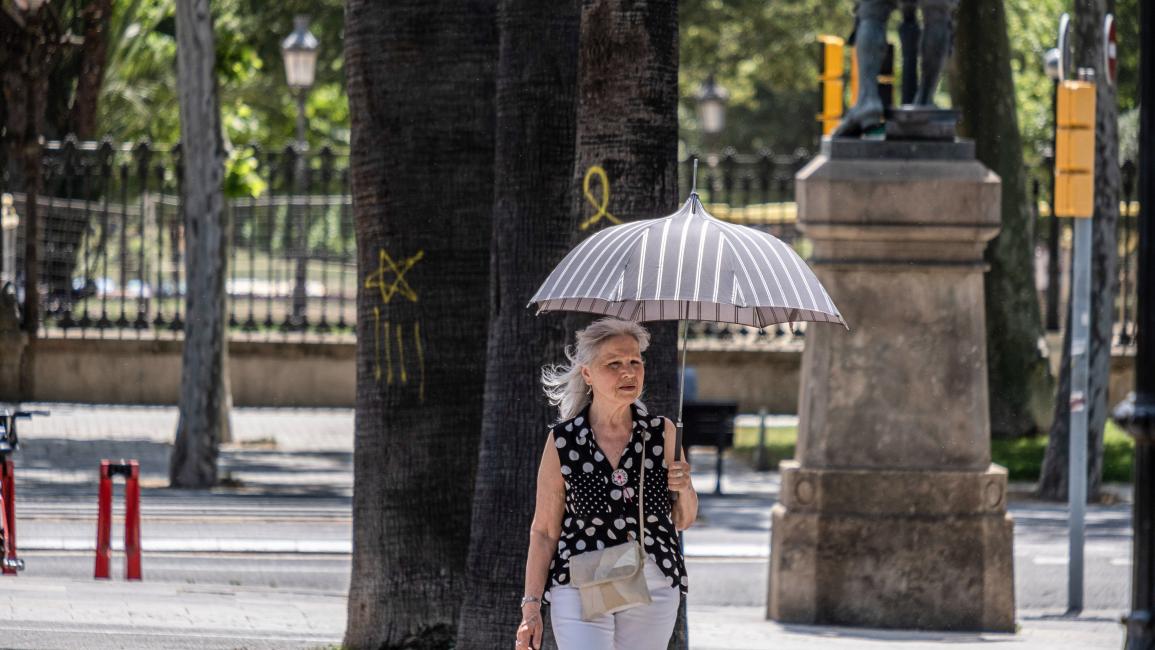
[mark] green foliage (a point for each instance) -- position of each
(764, 53)
(140, 101)
(1023, 457)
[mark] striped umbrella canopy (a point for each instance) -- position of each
(687, 266)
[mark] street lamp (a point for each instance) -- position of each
(299, 50)
(711, 99)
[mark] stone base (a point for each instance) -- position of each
(892, 549)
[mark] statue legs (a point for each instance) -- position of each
(934, 47)
(870, 43)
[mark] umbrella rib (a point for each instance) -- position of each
(661, 259)
(681, 259)
(743, 239)
(701, 254)
(594, 268)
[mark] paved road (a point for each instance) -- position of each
(266, 564)
(305, 543)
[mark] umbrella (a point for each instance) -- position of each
(687, 266)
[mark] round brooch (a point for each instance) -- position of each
(619, 477)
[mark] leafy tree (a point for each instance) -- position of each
(982, 89)
(255, 102)
(205, 399)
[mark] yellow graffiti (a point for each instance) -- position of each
(420, 359)
(377, 343)
(389, 279)
(599, 205)
(388, 357)
(401, 356)
(385, 263)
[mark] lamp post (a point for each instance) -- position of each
(711, 104)
(1139, 415)
(299, 50)
(1051, 66)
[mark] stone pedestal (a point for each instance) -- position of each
(892, 514)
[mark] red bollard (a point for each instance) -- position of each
(130, 470)
(8, 507)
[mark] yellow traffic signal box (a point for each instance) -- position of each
(1075, 150)
(830, 82)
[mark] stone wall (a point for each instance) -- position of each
(322, 374)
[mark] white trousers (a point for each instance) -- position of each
(646, 627)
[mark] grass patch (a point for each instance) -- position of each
(1023, 457)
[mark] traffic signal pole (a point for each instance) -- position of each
(1075, 198)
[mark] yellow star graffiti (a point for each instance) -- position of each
(398, 283)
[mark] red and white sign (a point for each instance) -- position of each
(1110, 49)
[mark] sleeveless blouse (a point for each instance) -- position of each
(601, 512)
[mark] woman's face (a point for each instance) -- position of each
(617, 372)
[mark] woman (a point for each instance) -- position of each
(587, 487)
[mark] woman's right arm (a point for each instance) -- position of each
(543, 535)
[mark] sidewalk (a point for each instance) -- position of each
(81, 614)
(210, 556)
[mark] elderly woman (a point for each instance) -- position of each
(587, 495)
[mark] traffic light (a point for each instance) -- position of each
(1075, 150)
(830, 81)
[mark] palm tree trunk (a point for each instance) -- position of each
(204, 396)
(982, 88)
(627, 126)
(536, 106)
(421, 83)
(1087, 31)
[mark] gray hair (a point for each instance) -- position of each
(564, 385)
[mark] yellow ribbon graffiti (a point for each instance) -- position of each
(599, 205)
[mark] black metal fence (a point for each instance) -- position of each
(112, 242)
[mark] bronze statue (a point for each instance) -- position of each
(869, 38)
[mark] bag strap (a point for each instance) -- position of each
(641, 496)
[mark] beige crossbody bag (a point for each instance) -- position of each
(613, 579)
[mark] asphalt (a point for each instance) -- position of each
(265, 563)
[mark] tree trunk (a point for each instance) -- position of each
(93, 58)
(627, 127)
(982, 88)
(536, 110)
(1087, 31)
(204, 394)
(421, 88)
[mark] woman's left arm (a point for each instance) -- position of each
(686, 507)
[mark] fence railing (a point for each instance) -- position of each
(112, 240)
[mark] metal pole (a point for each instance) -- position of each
(760, 460)
(1141, 421)
(1077, 469)
(1053, 235)
(301, 143)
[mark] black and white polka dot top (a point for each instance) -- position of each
(601, 506)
